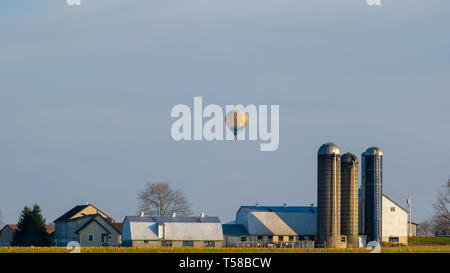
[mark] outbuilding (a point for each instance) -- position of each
(273, 226)
(163, 231)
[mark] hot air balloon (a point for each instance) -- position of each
(236, 120)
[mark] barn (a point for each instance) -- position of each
(163, 231)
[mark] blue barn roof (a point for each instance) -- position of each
(294, 209)
(234, 230)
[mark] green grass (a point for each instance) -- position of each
(427, 241)
(417, 249)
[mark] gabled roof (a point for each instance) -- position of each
(293, 209)
(12, 226)
(175, 228)
(164, 219)
(78, 209)
(71, 213)
(234, 230)
(92, 220)
(397, 204)
(278, 220)
(49, 228)
(118, 226)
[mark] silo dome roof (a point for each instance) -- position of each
(349, 158)
(373, 151)
(329, 149)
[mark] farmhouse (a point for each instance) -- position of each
(162, 231)
(7, 233)
(87, 225)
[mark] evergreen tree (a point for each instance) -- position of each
(32, 230)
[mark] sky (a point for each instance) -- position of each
(86, 93)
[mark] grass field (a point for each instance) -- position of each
(424, 241)
(416, 245)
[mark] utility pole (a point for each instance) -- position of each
(410, 219)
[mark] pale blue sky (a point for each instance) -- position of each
(86, 94)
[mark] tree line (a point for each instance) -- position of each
(439, 223)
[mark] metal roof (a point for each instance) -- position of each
(349, 158)
(166, 219)
(175, 228)
(234, 230)
(278, 220)
(373, 151)
(293, 209)
(329, 149)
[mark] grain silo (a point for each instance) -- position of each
(349, 198)
(329, 196)
(372, 192)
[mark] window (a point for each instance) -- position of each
(393, 239)
(280, 239)
(342, 239)
(91, 237)
(166, 243)
(243, 239)
(145, 241)
(210, 244)
(260, 238)
(188, 243)
(270, 238)
(104, 237)
(291, 238)
(392, 208)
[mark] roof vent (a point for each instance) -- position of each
(174, 215)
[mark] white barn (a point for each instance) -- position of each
(394, 222)
(161, 231)
(263, 225)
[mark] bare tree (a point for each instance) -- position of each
(425, 228)
(159, 199)
(442, 209)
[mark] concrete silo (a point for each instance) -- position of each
(372, 193)
(329, 196)
(349, 198)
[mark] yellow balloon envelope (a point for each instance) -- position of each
(236, 120)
